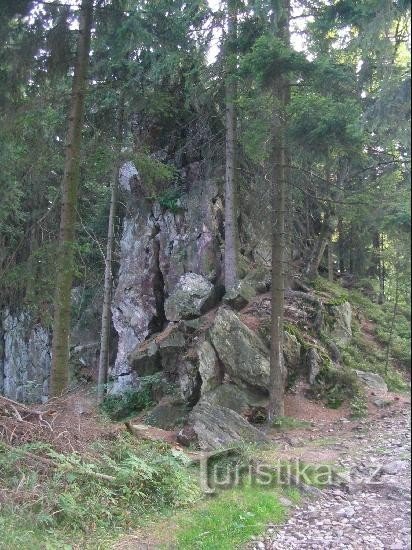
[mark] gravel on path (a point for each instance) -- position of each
(369, 510)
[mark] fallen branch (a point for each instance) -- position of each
(19, 406)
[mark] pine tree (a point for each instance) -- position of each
(276, 406)
(108, 271)
(231, 232)
(65, 260)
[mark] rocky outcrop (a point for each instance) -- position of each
(168, 414)
(158, 249)
(339, 323)
(24, 358)
(242, 352)
(245, 401)
(313, 365)
(217, 427)
(192, 296)
(239, 296)
(372, 380)
(169, 353)
(209, 370)
(292, 350)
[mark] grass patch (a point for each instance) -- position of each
(362, 354)
(230, 519)
(382, 315)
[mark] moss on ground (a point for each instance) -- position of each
(369, 353)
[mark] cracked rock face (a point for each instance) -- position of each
(341, 331)
(159, 247)
(24, 358)
(243, 353)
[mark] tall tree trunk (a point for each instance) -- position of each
(108, 276)
(395, 313)
(330, 262)
(65, 259)
(231, 226)
(276, 408)
(276, 383)
(341, 247)
(328, 228)
(382, 273)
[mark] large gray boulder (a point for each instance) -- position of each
(259, 279)
(339, 323)
(192, 297)
(291, 346)
(218, 427)
(168, 414)
(239, 296)
(242, 400)
(372, 380)
(291, 351)
(313, 365)
(242, 352)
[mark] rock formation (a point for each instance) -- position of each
(161, 253)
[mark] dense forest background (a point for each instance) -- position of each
(347, 127)
(204, 214)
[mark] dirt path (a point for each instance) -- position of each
(370, 509)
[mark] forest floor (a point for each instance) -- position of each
(370, 509)
(367, 507)
(71, 478)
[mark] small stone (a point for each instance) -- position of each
(285, 502)
(395, 467)
(346, 512)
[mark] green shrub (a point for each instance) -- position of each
(335, 386)
(170, 199)
(87, 497)
(120, 407)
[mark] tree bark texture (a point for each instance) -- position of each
(108, 275)
(231, 230)
(65, 259)
(330, 262)
(276, 408)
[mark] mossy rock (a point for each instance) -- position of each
(168, 415)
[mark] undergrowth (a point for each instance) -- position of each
(370, 354)
(334, 386)
(79, 499)
(124, 405)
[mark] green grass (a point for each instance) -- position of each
(229, 520)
